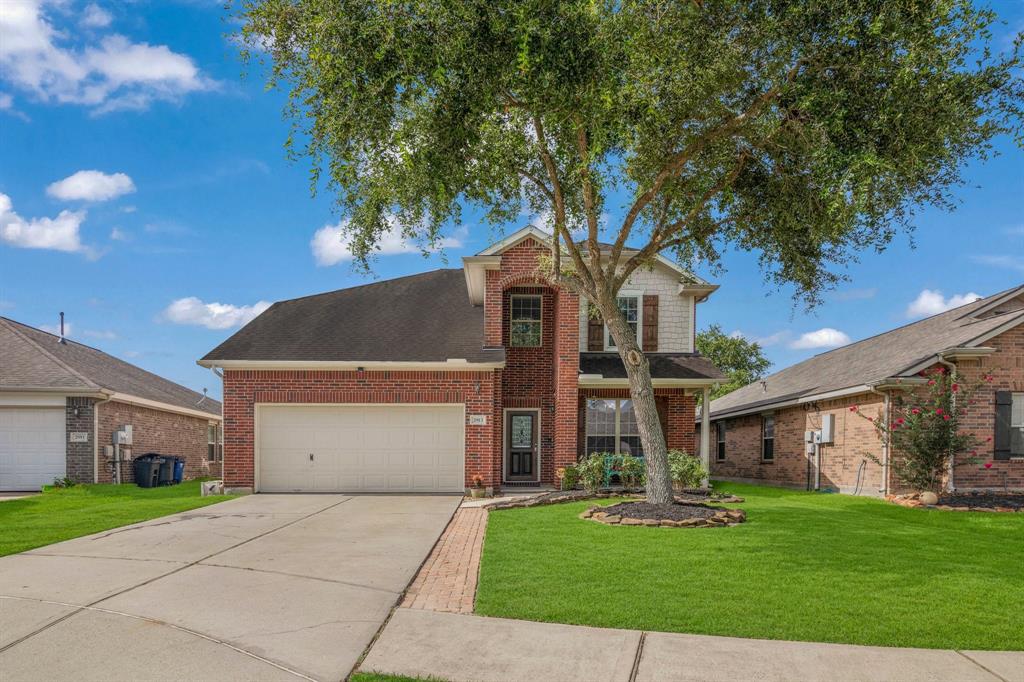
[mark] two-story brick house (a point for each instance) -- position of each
(428, 382)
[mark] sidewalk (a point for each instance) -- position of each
(465, 648)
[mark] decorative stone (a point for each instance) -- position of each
(587, 514)
(652, 522)
(669, 524)
(631, 522)
(611, 518)
(928, 498)
(598, 515)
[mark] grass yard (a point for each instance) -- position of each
(805, 566)
(62, 514)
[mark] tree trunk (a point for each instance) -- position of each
(641, 390)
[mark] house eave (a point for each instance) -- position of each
(450, 365)
(599, 381)
(889, 383)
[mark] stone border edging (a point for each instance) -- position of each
(912, 501)
(562, 496)
(725, 517)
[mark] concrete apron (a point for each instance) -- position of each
(461, 648)
(262, 587)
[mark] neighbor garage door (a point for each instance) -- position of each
(360, 448)
(31, 447)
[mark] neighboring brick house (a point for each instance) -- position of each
(758, 432)
(426, 382)
(61, 403)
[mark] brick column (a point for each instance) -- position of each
(566, 380)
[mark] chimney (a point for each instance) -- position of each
(61, 339)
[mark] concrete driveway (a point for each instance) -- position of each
(266, 587)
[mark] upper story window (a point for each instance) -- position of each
(632, 310)
(525, 326)
(720, 436)
(768, 438)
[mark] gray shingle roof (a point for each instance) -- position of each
(32, 358)
(663, 366)
(891, 354)
(420, 318)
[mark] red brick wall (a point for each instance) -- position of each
(167, 433)
(845, 464)
(1006, 367)
(244, 388)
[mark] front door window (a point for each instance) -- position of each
(522, 446)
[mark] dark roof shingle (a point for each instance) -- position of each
(419, 318)
(663, 366)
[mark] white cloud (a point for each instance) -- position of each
(55, 329)
(331, 245)
(104, 334)
(1005, 262)
(60, 233)
(826, 337)
(91, 185)
(192, 310)
(119, 235)
(931, 302)
(115, 74)
(6, 101)
(95, 16)
(773, 339)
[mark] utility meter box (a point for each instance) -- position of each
(124, 435)
(828, 428)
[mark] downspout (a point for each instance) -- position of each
(96, 438)
(885, 441)
(952, 456)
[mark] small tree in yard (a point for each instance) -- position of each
(742, 361)
(924, 431)
(805, 132)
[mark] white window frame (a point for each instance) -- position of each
(217, 442)
(609, 342)
(540, 321)
(618, 425)
(1016, 419)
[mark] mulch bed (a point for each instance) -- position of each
(698, 497)
(675, 515)
(1000, 502)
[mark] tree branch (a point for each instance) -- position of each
(582, 146)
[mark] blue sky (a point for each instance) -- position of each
(194, 219)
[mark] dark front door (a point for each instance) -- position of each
(521, 446)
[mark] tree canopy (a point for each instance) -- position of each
(743, 361)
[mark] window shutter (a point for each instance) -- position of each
(1004, 407)
(650, 324)
(595, 329)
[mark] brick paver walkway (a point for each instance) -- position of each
(447, 580)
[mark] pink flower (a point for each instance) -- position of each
(931, 382)
(899, 421)
(955, 387)
(915, 411)
(988, 465)
(853, 408)
(990, 378)
(871, 419)
(938, 411)
(989, 439)
(945, 417)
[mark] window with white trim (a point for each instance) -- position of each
(720, 438)
(214, 442)
(611, 427)
(632, 309)
(1017, 425)
(525, 325)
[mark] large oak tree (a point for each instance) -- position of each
(804, 132)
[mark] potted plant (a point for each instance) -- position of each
(477, 489)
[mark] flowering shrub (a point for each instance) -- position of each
(924, 431)
(686, 470)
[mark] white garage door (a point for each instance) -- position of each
(31, 447)
(360, 448)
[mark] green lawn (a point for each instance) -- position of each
(806, 566)
(379, 677)
(61, 514)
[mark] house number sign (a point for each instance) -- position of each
(478, 420)
(79, 436)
